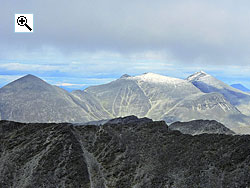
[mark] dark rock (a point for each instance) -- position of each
(200, 127)
(144, 155)
(119, 121)
(128, 120)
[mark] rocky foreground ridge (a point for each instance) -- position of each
(200, 127)
(133, 154)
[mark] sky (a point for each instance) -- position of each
(80, 43)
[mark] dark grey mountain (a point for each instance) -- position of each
(240, 87)
(200, 127)
(30, 99)
(146, 155)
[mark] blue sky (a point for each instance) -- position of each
(81, 43)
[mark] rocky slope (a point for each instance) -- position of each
(146, 155)
(200, 127)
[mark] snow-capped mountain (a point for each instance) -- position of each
(149, 95)
(160, 97)
(207, 84)
(156, 79)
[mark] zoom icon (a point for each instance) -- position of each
(24, 23)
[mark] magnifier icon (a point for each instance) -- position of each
(22, 21)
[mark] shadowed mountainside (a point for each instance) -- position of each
(138, 155)
(240, 87)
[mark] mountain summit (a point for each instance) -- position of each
(207, 83)
(198, 76)
(29, 83)
(156, 78)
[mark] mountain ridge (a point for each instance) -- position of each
(201, 127)
(147, 155)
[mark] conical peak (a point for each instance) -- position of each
(29, 76)
(28, 82)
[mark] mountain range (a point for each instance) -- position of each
(200, 96)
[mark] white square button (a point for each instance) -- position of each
(24, 23)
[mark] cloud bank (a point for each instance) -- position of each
(189, 31)
(112, 37)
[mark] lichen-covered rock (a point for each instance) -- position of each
(146, 155)
(40, 155)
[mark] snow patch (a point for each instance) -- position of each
(157, 78)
